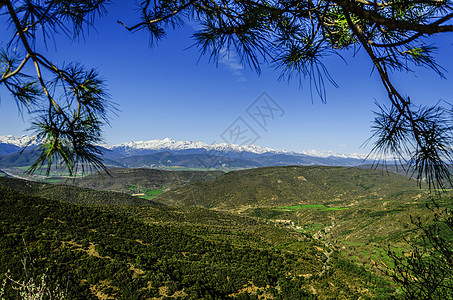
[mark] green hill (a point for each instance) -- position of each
(404, 170)
(288, 185)
(105, 253)
(67, 193)
(121, 180)
(357, 211)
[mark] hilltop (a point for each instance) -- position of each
(404, 170)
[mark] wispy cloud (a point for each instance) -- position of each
(227, 58)
(231, 61)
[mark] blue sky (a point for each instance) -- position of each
(170, 91)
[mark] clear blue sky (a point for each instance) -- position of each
(167, 91)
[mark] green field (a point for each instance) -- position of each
(153, 192)
(148, 193)
(52, 180)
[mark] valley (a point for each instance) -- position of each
(287, 232)
(356, 211)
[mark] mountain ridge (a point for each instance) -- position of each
(169, 153)
(161, 145)
(19, 141)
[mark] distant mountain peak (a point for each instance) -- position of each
(325, 154)
(171, 144)
(19, 141)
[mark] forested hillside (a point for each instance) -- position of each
(358, 211)
(269, 233)
(68, 193)
(288, 185)
(121, 179)
(96, 252)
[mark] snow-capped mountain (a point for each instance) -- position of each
(171, 153)
(169, 144)
(19, 141)
(12, 144)
(325, 154)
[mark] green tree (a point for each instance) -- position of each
(426, 271)
(69, 102)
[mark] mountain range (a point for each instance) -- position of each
(168, 144)
(168, 153)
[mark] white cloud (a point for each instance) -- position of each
(231, 61)
(227, 58)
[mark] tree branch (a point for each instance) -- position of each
(179, 9)
(391, 23)
(397, 100)
(17, 70)
(32, 54)
(412, 38)
(40, 19)
(396, 44)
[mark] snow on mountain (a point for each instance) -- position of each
(325, 154)
(169, 144)
(19, 141)
(172, 145)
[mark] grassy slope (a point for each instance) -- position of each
(156, 253)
